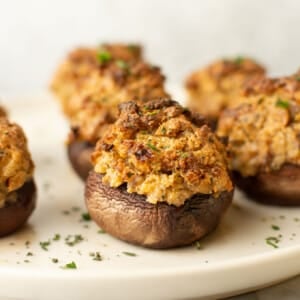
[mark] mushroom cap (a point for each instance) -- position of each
(79, 153)
(14, 215)
(280, 187)
(129, 217)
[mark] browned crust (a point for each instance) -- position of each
(79, 153)
(280, 187)
(131, 218)
(267, 86)
(14, 215)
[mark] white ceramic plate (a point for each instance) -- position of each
(234, 259)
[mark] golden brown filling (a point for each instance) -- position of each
(16, 166)
(93, 85)
(263, 133)
(162, 151)
(218, 86)
(74, 72)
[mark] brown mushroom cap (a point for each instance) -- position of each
(129, 217)
(14, 215)
(280, 187)
(79, 153)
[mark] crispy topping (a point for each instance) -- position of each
(218, 86)
(263, 133)
(93, 82)
(160, 151)
(16, 166)
(74, 72)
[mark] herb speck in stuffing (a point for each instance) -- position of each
(282, 103)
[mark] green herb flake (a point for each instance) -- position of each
(296, 219)
(198, 245)
(103, 56)
(184, 155)
(85, 217)
(298, 78)
(71, 265)
(239, 60)
(97, 256)
(72, 240)
(164, 130)
(101, 231)
(54, 260)
(122, 64)
(29, 254)
(56, 237)
(282, 103)
(151, 146)
(45, 245)
(26, 261)
(129, 253)
(275, 227)
(272, 241)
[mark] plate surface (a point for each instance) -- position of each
(234, 259)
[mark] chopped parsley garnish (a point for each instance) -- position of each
(151, 146)
(282, 103)
(164, 130)
(129, 253)
(56, 237)
(238, 60)
(122, 64)
(298, 78)
(103, 56)
(296, 219)
(45, 245)
(29, 254)
(198, 245)
(272, 241)
(101, 231)
(26, 261)
(275, 227)
(54, 260)
(96, 256)
(72, 240)
(85, 217)
(71, 265)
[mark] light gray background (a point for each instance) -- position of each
(178, 35)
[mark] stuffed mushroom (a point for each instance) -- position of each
(114, 74)
(17, 188)
(216, 87)
(263, 141)
(160, 176)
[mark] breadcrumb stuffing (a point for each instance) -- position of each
(162, 151)
(91, 84)
(263, 133)
(216, 87)
(16, 166)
